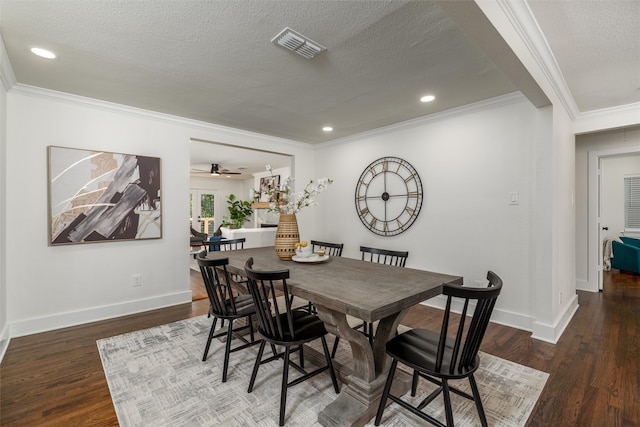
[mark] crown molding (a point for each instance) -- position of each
(498, 101)
(113, 107)
(6, 71)
(521, 18)
(607, 118)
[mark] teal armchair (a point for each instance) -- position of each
(626, 255)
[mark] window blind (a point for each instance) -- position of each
(632, 202)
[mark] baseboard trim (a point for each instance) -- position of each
(502, 317)
(4, 342)
(552, 333)
(584, 285)
(74, 318)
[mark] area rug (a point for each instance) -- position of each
(157, 378)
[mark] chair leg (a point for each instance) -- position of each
(206, 348)
(251, 328)
(447, 402)
(301, 351)
(478, 401)
(385, 391)
(283, 388)
(414, 383)
(334, 380)
(227, 351)
(256, 366)
(335, 347)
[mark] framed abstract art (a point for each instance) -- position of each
(100, 196)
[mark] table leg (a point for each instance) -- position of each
(358, 402)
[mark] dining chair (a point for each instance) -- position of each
(332, 249)
(282, 325)
(225, 304)
(380, 256)
(442, 356)
(384, 256)
(227, 244)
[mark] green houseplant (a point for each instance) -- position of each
(239, 212)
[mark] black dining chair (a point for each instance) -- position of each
(380, 256)
(227, 244)
(225, 304)
(384, 256)
(439, 357)
(282, 325)
(332, 249)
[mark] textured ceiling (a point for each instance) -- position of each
(597, 46)
(214, 60)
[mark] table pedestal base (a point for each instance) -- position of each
(358, 402)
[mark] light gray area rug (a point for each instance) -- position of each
(157, 378)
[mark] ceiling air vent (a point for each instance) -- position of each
(298, 43)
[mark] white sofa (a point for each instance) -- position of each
(255, 237)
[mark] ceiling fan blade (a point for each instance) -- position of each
(217, 170)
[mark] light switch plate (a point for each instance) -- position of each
(514, 198)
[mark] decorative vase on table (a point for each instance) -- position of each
(287, 236)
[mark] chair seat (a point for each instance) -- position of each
(306, 327)
(417, 349)
(244, 307)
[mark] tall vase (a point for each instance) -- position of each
(287, 236)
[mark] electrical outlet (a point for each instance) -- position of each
(136, 280)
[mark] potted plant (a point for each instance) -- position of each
(239, 212)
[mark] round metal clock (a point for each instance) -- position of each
(388, 196)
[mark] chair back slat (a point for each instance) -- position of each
(227, 244)
(275, 315)
(468, 338)
(218, 285)
(333, 249)
(384, 256)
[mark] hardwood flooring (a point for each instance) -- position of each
(56, 378)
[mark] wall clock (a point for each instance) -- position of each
(388, 196)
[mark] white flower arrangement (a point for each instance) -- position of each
(290, 203)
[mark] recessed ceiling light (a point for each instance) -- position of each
(43, 53)
(327, 128)
(427, 98)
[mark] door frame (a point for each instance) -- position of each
(594, 258)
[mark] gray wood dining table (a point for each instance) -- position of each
(369, 291)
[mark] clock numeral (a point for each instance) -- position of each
(409, 210)
(414, 194)
(386, 227)
(410, 177)
(399, 224)
(364, 212)
(362, 198)
(373, 222)
(385, 166)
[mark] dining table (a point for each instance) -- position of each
(340, 287)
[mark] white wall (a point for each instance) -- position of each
(619, 139)
(612, 194)
(468, 162)
(51, 287)
(4, 330)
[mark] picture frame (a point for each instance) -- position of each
(102, 196)
(269, 188)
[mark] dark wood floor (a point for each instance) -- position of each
(56, 378)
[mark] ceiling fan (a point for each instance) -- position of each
(217, 170)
